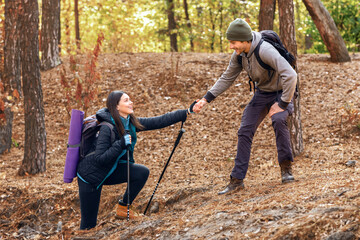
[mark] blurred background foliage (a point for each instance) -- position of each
(142, 25)
(346, 15)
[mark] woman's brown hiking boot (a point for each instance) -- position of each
(121, 213)
(286, 172)
(235, 184)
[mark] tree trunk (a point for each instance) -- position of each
(35, 136)
(6, 119)
(221, 26)
(328, 31)
(6, 130)
(213, 21)
(188, 24)
(172, 25)
(12, 71)
(77, 26)
(287, 33)
(235, 9)
(59, 32)
(11, 77)
(50, 27)
(267, 14)
(287, 25)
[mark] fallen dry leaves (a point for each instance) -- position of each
(324, 199)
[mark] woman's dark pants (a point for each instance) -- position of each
(90, 196)
(253, 115)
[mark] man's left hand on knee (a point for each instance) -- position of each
(275, 109)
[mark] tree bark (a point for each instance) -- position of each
(59, 32)
(287, 25)
(50, 27)
(172, 25)
(287, 33)
(221, 26)
(77, 25)
(188, 24)
(235, 9)
(6, 131)
(213, 21)
(35, 136)
(267, 14)
(328, 31)
(12, 67)
(11, 77)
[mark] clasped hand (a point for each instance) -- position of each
(200, 103)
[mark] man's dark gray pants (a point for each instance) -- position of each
(253, 115)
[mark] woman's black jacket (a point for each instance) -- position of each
(94, 169)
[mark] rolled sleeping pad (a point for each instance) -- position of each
(73, 148)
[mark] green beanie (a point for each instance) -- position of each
(239, 30)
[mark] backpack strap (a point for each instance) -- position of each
(239, 58)
(271, 71)
(104, 123)
(111, 128)
(257, 55)
(262, 64)
(73, 145)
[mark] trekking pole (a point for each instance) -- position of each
(182, 130)
(128, 179)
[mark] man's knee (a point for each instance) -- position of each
(246, 132)
(279, 120)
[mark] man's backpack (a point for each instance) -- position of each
(274, 39)
(90, 133)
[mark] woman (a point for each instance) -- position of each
(108, 166)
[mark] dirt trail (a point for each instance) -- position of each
(323, 202)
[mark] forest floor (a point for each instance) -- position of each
(323, 202)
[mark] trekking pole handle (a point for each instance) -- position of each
(181, 132)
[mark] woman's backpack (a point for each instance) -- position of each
(90, 133)
(82, 141)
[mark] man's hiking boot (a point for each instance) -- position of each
(234, 184)
(286, 172)
(121, 213)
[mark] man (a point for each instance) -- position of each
(274, 92)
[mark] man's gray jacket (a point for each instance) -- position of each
(283, 78)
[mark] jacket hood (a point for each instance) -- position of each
(104, 115)
(254, 43)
